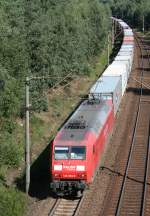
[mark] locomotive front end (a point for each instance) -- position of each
(68, 169)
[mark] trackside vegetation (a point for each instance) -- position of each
(132, 11)
(12, 202)
(40, 38)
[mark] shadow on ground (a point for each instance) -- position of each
(117, 173)
(40, 176)
(137, 91)
(144, 69)
(144, 56)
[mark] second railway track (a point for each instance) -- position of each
(131, 193)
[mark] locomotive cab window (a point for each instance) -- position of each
(78, 153)
(61, 153)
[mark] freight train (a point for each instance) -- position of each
(78, 147)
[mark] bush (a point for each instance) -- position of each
(132, 11)
(12, 202)
(45, 38)
(10, 151)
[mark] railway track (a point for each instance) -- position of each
(130, 191)
(146, 192)
(65, 207)
(132, 195)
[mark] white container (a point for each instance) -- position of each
(128, 32)
(128, 43)
(130, 51)
(127, 46)
(125, 58)
(107, 88)
(126, 49)
(127, 53)
(124, 25)
(122, 63)
(116, 70)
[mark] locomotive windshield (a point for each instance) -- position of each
(70, 152)
(78, 152)
(61, 153)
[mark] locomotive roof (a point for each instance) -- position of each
(89, 116)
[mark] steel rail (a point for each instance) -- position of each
(54, 207)
(146, 176)
(71, 206)
(147, 164)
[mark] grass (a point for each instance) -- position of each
(11, 147)
(12, 202)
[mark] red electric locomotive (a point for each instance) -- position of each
(78, 146)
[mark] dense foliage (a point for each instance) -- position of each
(40, 37)
(132, 11)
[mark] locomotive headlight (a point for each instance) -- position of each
(57, 175)
(57, 167)
(80, 168)
(82, 175)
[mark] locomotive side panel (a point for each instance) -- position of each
(99, 146)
